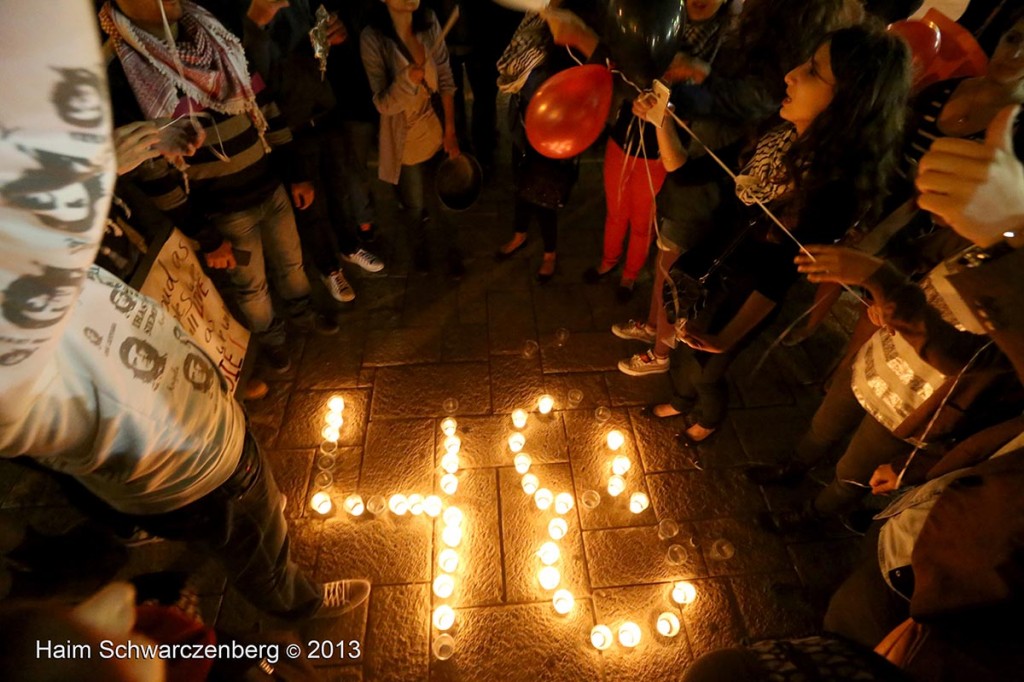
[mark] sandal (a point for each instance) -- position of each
(652, 411)
(685, 439)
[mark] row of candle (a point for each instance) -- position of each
(443, 586)
(630, 634)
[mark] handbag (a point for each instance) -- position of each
(542, 181)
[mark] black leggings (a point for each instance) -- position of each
(547, 220)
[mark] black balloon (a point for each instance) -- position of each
(643, 36)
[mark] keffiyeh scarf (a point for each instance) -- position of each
(765, 178)
(527, 49)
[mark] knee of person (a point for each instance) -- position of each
(723, 665)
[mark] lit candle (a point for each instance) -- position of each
(523, 463)
(543, 498)
(334, 420)
(620, 465)
(449, 484)
(564, 503)
(444, 585)
(616, 484)
(548, 553)
(530, 483)
(601, 637)
(557, 529)
(545, 404)
(415, 504)
(398, 504)
(638, 502)
(683, 593)
(629, 634)
(452, 444)
(516, 442)
(432, 506)
(330, 434)
(354, 505)
(444, 617)
(563, 601)
(519, 418)
(668, 624)
(448, 560)
(448, 426)
(453, 516)
(450, 462)
(548, 577)
(321, 503)
(336, 403)
(451, 536)
(615, 439)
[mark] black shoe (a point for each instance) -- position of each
(788, 474)
(456, 268)
(624, 294)
(277, 358)
(593, 275)
(803, 519)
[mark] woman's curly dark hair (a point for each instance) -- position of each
(857, 140)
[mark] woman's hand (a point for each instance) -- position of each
(644, 103)
(709, 343)
(302, 194)
(336, 31)
(223, 258)
(451, 142)
(568, 29)
(415, 73)
(686, 68)
(135, 143)
(837, 264)
(884, 480)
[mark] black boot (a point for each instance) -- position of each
(788, 474)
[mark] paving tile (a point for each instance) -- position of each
(759, 379)
(562, 307)
(267, 415)
(464, 343)
(510, 321)
(774, 605)
(304, 418)
(517, 382)
(435, 305)
(655, 439)
(385, 550)
(712, 621)
(524, 530)
(585, 352)
(754, 549)
(823, 566)
(330, 362)
(633, 556)
(345, 673)
(413, 345)
(472, 303)
(591, 467)
(695, 495)
(521, 642)
(344, 480)
(656, 657)
(399, 458)
(626, 390)
(485, 440)
(398, 638)
(420, 391)
(774, 444)
(292, 470)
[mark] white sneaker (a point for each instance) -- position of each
(338, 287)
(364, 259)
(634, 330)
(341, 596)
(643, 363)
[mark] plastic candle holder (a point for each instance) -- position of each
(444, 617)
(620, 465)
(444, 585)
(639, 502)
(448, 426)
(601, 637)
(615, 439)
(453, 516)
(321, 503)
(530, 483)
(451, 536)
(564, 503)
(516, 442)
(523, 462)
(450, 462)
(563, 601)
(354, 505)
(557, 529)
(334, 420)
(545, 404)
(336, 404)
(548, 553)
(629, 634)
(616, 484)
(452, 444)
(683, 593)
(543, 498)
(415, 504)
(398, 504)
(448, 560)
(519, 418)
(432, 506)
(449, 484)
(330, 434)
(548, 577)
(668, 624)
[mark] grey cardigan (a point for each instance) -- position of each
(393, 92)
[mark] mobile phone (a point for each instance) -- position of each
(656, 114)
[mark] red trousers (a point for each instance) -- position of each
(628, 185)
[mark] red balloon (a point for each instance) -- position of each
(568, 112)
(924, 39)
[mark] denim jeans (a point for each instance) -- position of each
(426, 220)
(348, 155)
(242, 525)
(699, 386)
(268, 233)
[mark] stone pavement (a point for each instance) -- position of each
(408, 344)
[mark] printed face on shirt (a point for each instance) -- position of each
(702, 10)
(1007, 65)
(809, 89)
(62, 193)
(198, 372)
(142, 359)
(78, 98)
(39, 301)
(122, 300)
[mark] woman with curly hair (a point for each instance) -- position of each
(821, 172)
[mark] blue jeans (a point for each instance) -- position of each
(348, 149)
(268, 234)
(427, 220)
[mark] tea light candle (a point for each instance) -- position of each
(545, 404)
(516, 442)
(448, 426)
(449, 484)
(330, 434)
(549, 577)
(444, 585)
(432, 506)
(683, 593)
(668, 624)
(629, 634)
(557, 529)
(519, 418)
(523, 462)
(530, 483)
(615, 439)
(638, 502)
(620, 465)
(334, 420)
(336, 403)
(448, 560)
(452, 444)
(354, 505)
(398, 504)
(450, 462)
(601, 637)
(563, 601)
(616, 484)
(548, 553)
(453, 516)
(451, 535)
(444, 617)
(415, 504)
(564, 503)
(321, 503)
(543, 498)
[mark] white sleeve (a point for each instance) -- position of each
(56, 175)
